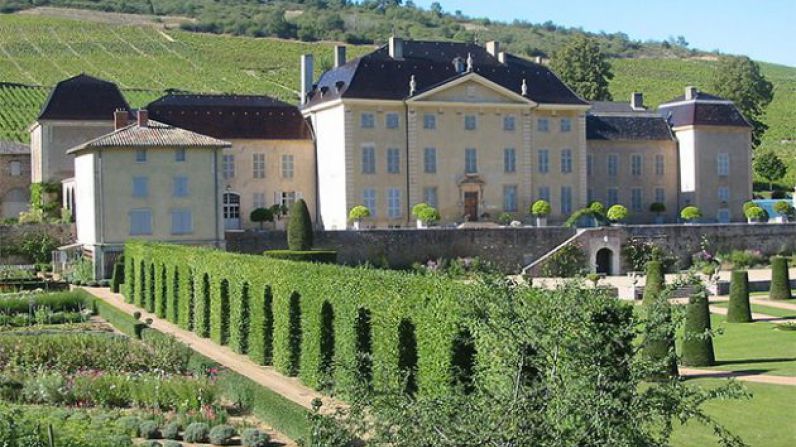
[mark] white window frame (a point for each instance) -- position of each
(367, 120)
(288, 166)
(470, 161)
(566, 161)
(15, 168)
(368, 159)
(429, 121)
(509, 160)
(612, 197)
(180, 154)
(509, 123)
(566, 200)
(723, 164)
(510, 199)
(393, 203)
(258, 200)
(258, 165)
(636, 165)
(228, 166)
(660, 165)
(724, 193)
(544, 193)
(565, 125)
(543, 125)
(613, 165)
(140, 155)
(660, 195)
(369, 201)
(470, 122)
(636, 199)
(431, 196)
(544, 161)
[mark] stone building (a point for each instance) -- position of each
(14, 178)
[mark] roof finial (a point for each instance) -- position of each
(412, 85)
(524, 88)
(469, 62)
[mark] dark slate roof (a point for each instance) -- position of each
(705, 110)
(154, 134)
(232, 116)
(611, 107)
(83, 97)
(627, 127)
(379, 76)
(13, 148)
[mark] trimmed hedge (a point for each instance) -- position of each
(55, 302)
(299, 227)
(780, 279)
(654, 282)
(118, 276)
(739, 310)
(322, 256)
(658, 341)
(697, 347)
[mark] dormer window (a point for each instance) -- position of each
(459, 65)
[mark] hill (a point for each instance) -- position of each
(148, 59)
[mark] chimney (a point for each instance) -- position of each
(339, 55)
(690, 93)
(143, 118)
(396, 47)
(637, 101)
(502, 57)
(538, 59)
(493, 48)
(306, 77)
(120, 119)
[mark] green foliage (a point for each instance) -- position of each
(196, 432)
(505, 218)
(653, 287)
(567, 262)
(118, 276)
(690, 213)
(321, 256)
(756, 213)
(27, 303)
(780, 279)
(251, 437)
(171, 430)
(697, 337)
(617, 213)
(426, 213)
(740, 80)
(149, 430)
(595, 211)
(657, 207)
(28, 426)
(221, 435)
(784, 209)
(637, 252)
(744, 259)
(657, 342)
(739, 310)
(260, 215)
(299, 227)
(358, 213)
(770, 167)
(541, 208)
(584, 67)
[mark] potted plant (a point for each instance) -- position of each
(505, 219)
(261, 215)
(658, 208)
(541, 209)
(425, 214)
(755, 214)
(785, 211)
(617, 213)
(358, 213)
(597, 210)
(690, 214)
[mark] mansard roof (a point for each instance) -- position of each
(619, 121)
(83, 98)
(232, 116)
(379, 76)
(702, 110)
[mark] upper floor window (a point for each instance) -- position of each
(510, 198)
(566, 161)
(393, 160)
(367, 121)
(16, 168)
(469, 122)
(543, 125)
(140, 221)
(368, 160)
(635, 165)
(509, 160)
(724, 194)
(544, 160)
(258, 200)
(394, 203)
(140, 187)
(228, 166)
(723, 164)
(180, 186)
(613, 164)
(288, 198)
(430, 196)
(181, 222)
(287, 166)
(140, 155)
(509, 123)
(659, 164)
(566, 124)
(430, 160)
(635, 199)
(369, 200)
(258, 165)
(391, 121)
(179, 154)
(429, 121)
(470, 161)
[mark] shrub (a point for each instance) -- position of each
(171, 430)
(690, 213)
(321, 256)
(171, 443)
(780, 279)
(251, 437)
(617, 213)
(697, 342)
(657, 207)
(654, 282)
(778, 194)
(504, 218)
(149, 430)
(299, 228)
(541, 208)
(260, 215)
(756, 214)
(425, 213)
(567, 262)
(118, 276)
(744, 259)
(221, 435)
(358, 213)
(137, 315)
(658, 338)
(53, 302)
(784, 208)
(196, 432)
(739, 310)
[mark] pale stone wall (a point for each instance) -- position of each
(14, 185)
(51, 139)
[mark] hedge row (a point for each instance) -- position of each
(324, 323)
(322, 256)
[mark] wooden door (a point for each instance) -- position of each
(471, 206)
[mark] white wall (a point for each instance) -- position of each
(85, 194)
(330, 128)
(688, 167)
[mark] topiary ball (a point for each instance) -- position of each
(222, 434)
(196, 432)
(149, 430)
(171, 431)
(251, 437)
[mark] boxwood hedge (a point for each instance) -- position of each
(307, 318)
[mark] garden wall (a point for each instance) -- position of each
(14, 250)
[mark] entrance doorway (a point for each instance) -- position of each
(471, 206)
(231, 211)
(604, 260)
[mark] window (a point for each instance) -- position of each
(509, 123)
(368, 160)
(393, 160)
(613, 196)
(613, 164)
(288, 198)
(659, 164)
(566, 200)
(430, 196)
(140, 155)
(635, 165)
(544, 161)
(140, 187)
(179, 154)
(228, 166)
(566, 124)
(16, 168)
(469, 122)
(723, 164)
(287, 166)
(140, 221)
(258, 165)
(724, 194)
(367, 121)
(542, 125)
(470, 161)
(589, 163)
(258, 200)
(181, 222)
(391, 121)
(180, 186)
(660, 195)
(566, 161)
(369, 200)
(429, 121)
(635, 199)
(394, 203)
(544, 193)
(430, 160)
(510, 198)
(509, 160)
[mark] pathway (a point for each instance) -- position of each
(694, 373)
(757, 317)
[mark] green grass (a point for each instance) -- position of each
(766, 420)
(768, 310)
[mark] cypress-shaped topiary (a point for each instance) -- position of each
(780, 280)
(697, 345)
(739, 310)
(658, 344)
(654, 282)
(118, 275)
(299, 227)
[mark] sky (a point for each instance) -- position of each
(760, 29)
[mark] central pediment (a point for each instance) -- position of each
(473, 89)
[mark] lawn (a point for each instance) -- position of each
(766, 420)
(768, 310)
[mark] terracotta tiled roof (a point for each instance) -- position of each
(154, 134)
(83, 97)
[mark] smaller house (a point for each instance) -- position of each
(146, 180)
(14, 178)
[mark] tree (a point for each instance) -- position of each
(769, 166)
(697, 338)
(690, 213)
(260, 215)
(617, 213)
(738, 310)
(739, 79)
(541, 208)
(425, 213)
(358, 213)
(658, 336)
(299, 227)
(780, 279)
(755, 214)
(584, 68)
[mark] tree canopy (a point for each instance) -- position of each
(583, 66)
(770, 167)
(739, 79)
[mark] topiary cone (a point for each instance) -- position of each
(780, 280)
(658, 344)
(654, 282)
(697, 349)
(299, 227)
(739, 310)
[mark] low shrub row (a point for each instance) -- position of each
(322, 256)
(28, 303)
(31, 427)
